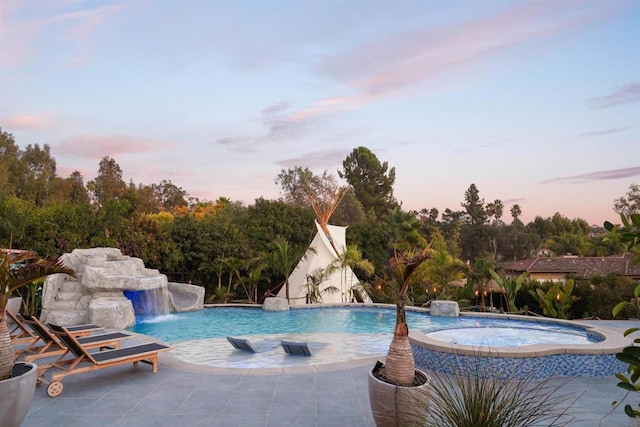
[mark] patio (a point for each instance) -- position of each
(130, 396)
(318, 395)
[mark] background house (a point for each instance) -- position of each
(559, 269)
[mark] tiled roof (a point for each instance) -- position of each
(579, 266)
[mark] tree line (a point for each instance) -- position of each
(235, 250)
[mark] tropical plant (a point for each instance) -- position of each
(480, 392)
(216, 267)
(352, 257)
(557, 300)
(254, 276)
(400, 364)
(510, 287)
(284, 257)
(629, 381)
(314, 282)
(16, 271)
(479, 274)
(31, 297)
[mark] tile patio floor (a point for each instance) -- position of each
(133, 396)
(189, 395)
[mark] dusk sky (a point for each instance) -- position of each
(535, 102)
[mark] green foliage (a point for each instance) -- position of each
(480, 392)
(633, 302)
(629, 232)
(556, 301)
(31, 297)
(629, 203)
(371, 181)
(510, 286)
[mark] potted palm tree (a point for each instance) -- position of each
(396, 385)
(18, 380)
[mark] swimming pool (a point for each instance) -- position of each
(468, 330)
(335, 333)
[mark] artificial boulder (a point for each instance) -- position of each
(275, 304)
(97, 294)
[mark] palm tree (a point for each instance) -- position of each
(18, 270)
(233, 266)
(443, 269)
(479, 274)
(400, 364)
(216, 267)
(352, 257)
(283, 258)
(315, 279)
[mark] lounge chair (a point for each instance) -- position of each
(20, 333)
(296, 348)
(50, 344)
(83, 361)
(242, 344)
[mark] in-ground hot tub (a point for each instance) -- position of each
(536, 348)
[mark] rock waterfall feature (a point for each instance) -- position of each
(97, 295)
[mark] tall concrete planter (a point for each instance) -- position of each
(396, 406)
(16, 394)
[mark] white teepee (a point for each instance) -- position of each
(324, 254)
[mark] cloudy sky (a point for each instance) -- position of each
(535, 102)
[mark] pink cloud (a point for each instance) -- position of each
(414, 58)
(23, 32)
(28, 121)
(83, 23)
(92, 147)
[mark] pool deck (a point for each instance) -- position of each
(316, 395)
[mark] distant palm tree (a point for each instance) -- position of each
(352, 257)
(254, 268)
(233, 266)
(216, 267)
(283, 258)
(479, 275)
(314, 282)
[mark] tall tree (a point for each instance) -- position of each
(473, 205)
(39, 173)
(474, 235)
(495, 209)
(294, 183)
(371, 181)
(109, 184)
(170, 196)
(11, 168)
(516, 211)
(630, 202)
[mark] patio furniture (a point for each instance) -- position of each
(296, 348)
(20, 333)
(52, 346)
(83, 361)
(242, 344)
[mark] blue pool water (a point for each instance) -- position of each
(468, 330)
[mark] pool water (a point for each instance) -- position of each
(507, 336)
(230, 321)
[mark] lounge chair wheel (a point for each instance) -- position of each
(55, 389)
